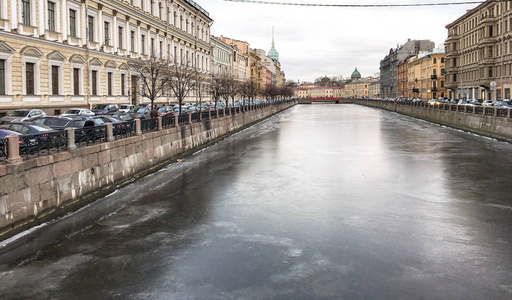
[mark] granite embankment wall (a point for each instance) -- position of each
(487, 121)
(39, 189)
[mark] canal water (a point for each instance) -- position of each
(319, 202)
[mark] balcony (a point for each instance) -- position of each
(433, 77)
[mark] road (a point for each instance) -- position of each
(322, 201)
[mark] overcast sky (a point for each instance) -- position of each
(318, 41)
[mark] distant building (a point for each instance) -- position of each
(388, 66)
(222, 57)
(355, 75)
(425, 75)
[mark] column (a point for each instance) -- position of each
(42, 16)
(14, 16)
(13, 149)
(115, 32)
(64, 27)
(83, 25)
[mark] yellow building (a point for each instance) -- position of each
(425, 78)
(57, 54)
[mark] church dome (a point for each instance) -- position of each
(356, 74)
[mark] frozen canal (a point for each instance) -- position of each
(320, 202)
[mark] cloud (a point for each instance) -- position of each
(318, 41)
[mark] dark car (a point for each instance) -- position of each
(122, 116)
(26, 128)
(102, 109)
(26, 145)
(165, 112)
(60, 122)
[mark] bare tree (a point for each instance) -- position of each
(152, 74)
(230, 88)
(249, 90)
(201, 86)
(217, 88)
(181, 80)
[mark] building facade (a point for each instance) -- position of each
(63, 53)
(479, 53)
(425, 75)
(388, 66)
(221, 57)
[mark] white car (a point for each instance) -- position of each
(20, 115)
(78, 111)
(126, 107)
(487, 103)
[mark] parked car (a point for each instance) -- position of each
(25, 146)
(487, 103)
(433, 102)
(165, 112)
(124, 108)
(502, 104)
(78, 112)
(101, 109)
(26, 128)
(143, 113)
(20, 115)
(122, 116)
(110, 119)
(60, 122)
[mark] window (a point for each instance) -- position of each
(152, 47)
(132, 41)
(120, 37)
(160, 8)
(454, 77)
(123, 77)
(161, 49)
(435, 60)
(29, 78)
(72, 22)
(442, 60)
(107, 33)
(490, 71)
(55, 80)
(2, 76)
(143, 44)
(51, 16)
(490, 51)
(91, 28)
(25, 11)
(76, 81)
(94, 82)
(109, 83)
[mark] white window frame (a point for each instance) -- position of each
(8, 70)
(98, 81)
(125, 42)
(33, 13)
(110, 20)
(95, 38)
(57, 16)
(135, 40)
(37, 75)
(126, 89)
(81, 66)
(60, 64)
(113, 81)
(78, 19)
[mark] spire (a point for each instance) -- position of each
(273, 54)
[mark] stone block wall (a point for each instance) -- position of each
(39, 189)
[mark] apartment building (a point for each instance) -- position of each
(426, 75)
(479, 53)
(65, 53)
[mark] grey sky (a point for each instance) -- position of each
(317, 41)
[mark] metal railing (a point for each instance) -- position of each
(123, 130)
(182, 119)
(168, 122)
(195, 117)
(3, 149)
(479, 110)
(469, 109)
(48, 143)
(148, 125)
(502, 112)
(221, 113)
(90, 135)
(489, 111)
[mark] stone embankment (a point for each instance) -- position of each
(35, 190)
(493, 122)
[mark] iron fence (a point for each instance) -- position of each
(221, 113)
(206, 114)
(167, 122)
(148, 125)
(43, 143)
(489, 111)
(182, 119)
(3, 150)
(214, 114)
(453, 107)
(124, 130)
(479, 110)
(469, 109)
(90, 135)
(195, 117)
(502, 112)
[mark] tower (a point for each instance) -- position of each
(273, 54)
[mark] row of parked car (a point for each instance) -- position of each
(507, 103)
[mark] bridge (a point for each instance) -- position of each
(324, 99)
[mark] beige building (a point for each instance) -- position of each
(241, 70)
(360, 88)
(57, 54)
(425, 75)
(478, 52)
